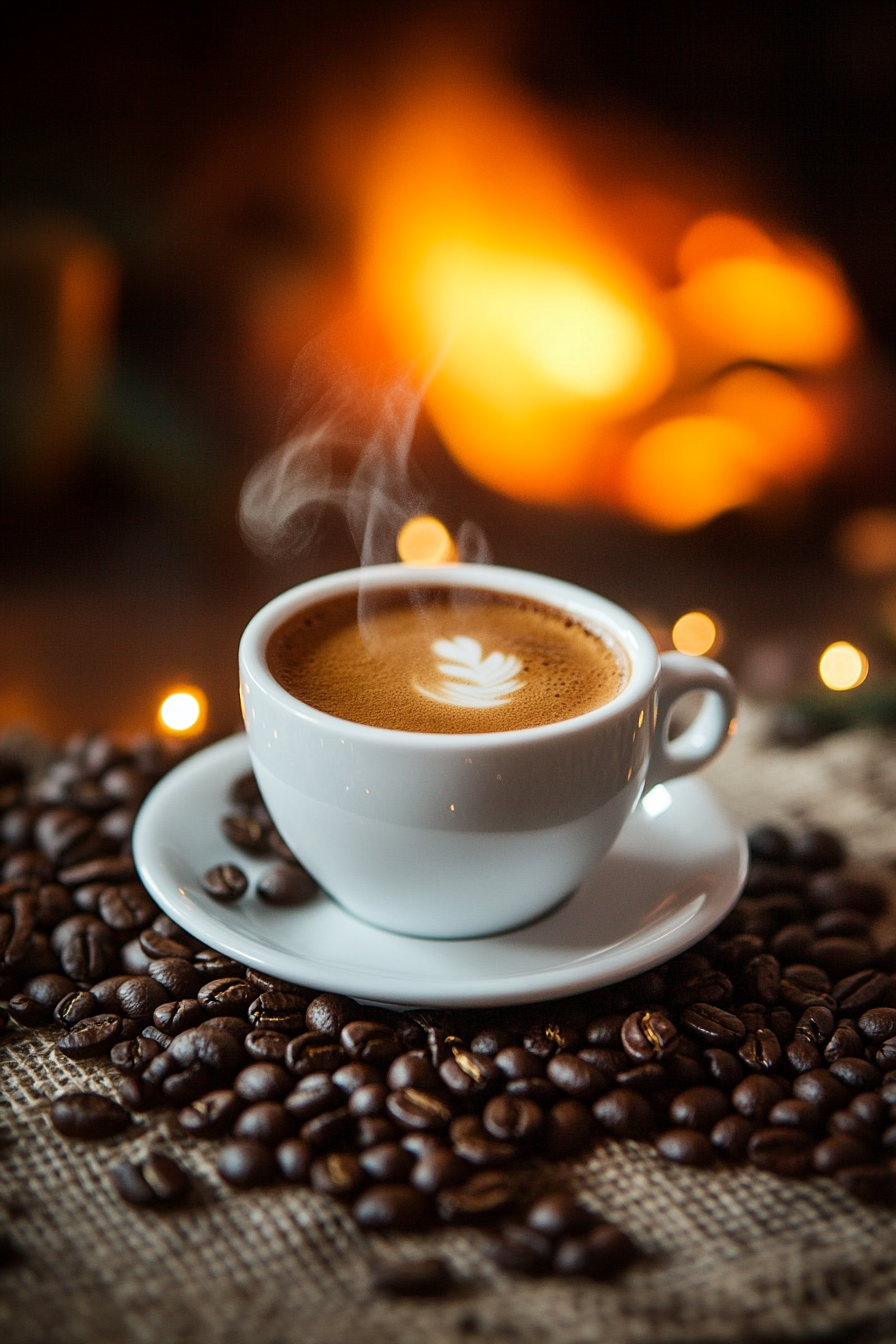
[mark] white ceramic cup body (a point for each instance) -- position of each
(458, 835)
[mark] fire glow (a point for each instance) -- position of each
(567, 368)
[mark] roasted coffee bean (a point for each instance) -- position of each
(178, 1016)
(515, 1062)
(822, 1089)
(370, 1042)
(64, 836)
(211, 965)
(74, 1007)
(647, 1037)
(225, 882)
(286, 884)
(49, 990)
(265, 1121)
(833, 891)
(485, 1195)
(568, 1129)
(871, 1183)
(329, 1013)
(699, 1108)
(782, 1150)
(539, 1090)
(520, 1250)
(275, 1010)
(876, 1026)
(412, 1069)
(312, 1096)
(842, 956)
(313, 1052)
(217, 1049)
(558, 1215)
(724, 1068)
(760, 1051)
(689, 1147)
(799, 996)
(793, 942)
(491, 1041)
(843, 924)
(294, 1160)
(474, 1144)
(604, 1252)
(731, 1135)
(134, 1056)
(398, 1207)
(680, 1071)
(244, 791)
(708, 988)
(268, 1047)
(549, 1038)
(817, 1024)
(512, 1119)
(885, 1057)
(229, 995)
(211, 1116)
(868, 1106)
(468, 1074)
(340, 1175)
(175, 975)
(800, 1114)
(156, 946)
(350, 1077)
(116, 825)
(246, 833)
(769, 843)
(857, 1074)
(387, 1162)
(710, 1025)
(756, 1095)
(818, 849)
(369, 1099)
(87, 1115)
(606, 1032)
(327, 1130)
(127, 908)
(845, 1043)
(643, 1078)
(808, 976)
(237, 1027)
(139, 996)
(373, 1129)
(106, 993)
(246, 1163)
(160, 1038)
(91, 1037)
(429, 1277)
(180, 1089)
(625, 1114)
(27, 1011)
(85, 947)
(761, 978)
(263, 1082)
(576, 1077)
(781, 1021)
(156, 1179)
(438, 1169)
(840, 1150)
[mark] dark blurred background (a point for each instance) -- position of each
(168, 242)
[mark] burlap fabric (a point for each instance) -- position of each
(732, 1254)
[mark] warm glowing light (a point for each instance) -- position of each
(686, 470)
(842, 666)
(793, 439)
(695, 633)
(866, 542)
(184, 711)
(760, 308)
(720, 235)
(425, 541)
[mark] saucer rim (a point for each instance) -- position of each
(383, 987)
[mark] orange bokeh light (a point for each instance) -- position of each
(425, 541)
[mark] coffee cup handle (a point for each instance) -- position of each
(714, 724)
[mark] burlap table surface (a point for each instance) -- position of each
(733, 1254)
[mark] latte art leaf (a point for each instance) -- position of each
(470, 679)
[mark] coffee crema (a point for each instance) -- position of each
(444, 660)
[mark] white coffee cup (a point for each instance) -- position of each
(458, 835)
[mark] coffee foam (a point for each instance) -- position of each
(445, 660)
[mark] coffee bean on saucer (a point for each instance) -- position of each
(88, 1115)
(429, 1277)
(155, 1180)
(244, 791)
(286, 884)
(246, 833)
(225, 882)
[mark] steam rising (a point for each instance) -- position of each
(346, 443)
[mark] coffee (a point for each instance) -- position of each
(444, 660)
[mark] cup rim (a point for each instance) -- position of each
(625, 628)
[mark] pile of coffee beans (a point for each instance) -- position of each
(771, 1042)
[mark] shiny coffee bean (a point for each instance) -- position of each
(263, 1082)
(515, 1062)
(230, 994)
(576, 1077)
(699, 1108)
(155, 1180)
(350, 1077)
(294, 1159)
(439, 1169)
(483, 1196)
(800, 1114)
(625, 1114)
(491, 1042)
(731, 1135)
(520, 1250)
(312, 1096)
(370, 1042)
(725, 1069)
(412, 1069)
(822, 1089)
(689, 1147)
(710, 1025)
(603, 1253)
(387, 1162)
(177, 976)
(246, 1163)
(782, 1150)
(276, 1010)
(225, 882)
(134, 1056)
(840, 1150)
(558, 1215)
(328, 1130)
(75, 1007)
(393, 1207)
(512, 1119)
(845, 1042)
(178, 1016)
(265, 1122)
(87, 1115)
(313, 1052)
(267, 1047)
(91, 1037)
(329, 1013)
(286, 884)
(467, 1074)
(367, 1100)
(648, 1037)
(858, 1074)
(373, 1129)
(212, 1115)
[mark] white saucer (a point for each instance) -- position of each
(673, 874)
